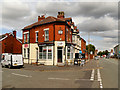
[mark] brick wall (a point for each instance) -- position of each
(11, 45)
(83, 45)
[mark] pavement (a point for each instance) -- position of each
(35, 67)
(95, 74)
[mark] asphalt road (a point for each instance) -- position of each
(95, 74)
(109, 73)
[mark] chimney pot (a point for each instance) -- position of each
(60, 14)
(14, 33)
(41, 18)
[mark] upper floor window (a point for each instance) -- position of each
(73, 38)
(46, 34)
(26, 37)
(36, 35)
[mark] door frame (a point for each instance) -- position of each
(62, 54)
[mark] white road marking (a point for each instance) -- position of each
(83, 79)
(21, 75)
(99, 78)
(68, 79)
(59, 78)
(92, 75)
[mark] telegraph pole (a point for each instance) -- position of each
(88, 46)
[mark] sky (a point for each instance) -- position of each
(98, 18)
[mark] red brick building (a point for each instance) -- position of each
(51, 40)
(83, 45)
(9, 43)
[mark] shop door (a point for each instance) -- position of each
(59, 54)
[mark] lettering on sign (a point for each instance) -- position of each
(59, 43)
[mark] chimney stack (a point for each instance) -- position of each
(41, 18)
(60, 15)
(14, 33)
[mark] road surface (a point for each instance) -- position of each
(95, 74)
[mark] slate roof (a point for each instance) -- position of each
(47, 20)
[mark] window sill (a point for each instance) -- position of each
(45, 59)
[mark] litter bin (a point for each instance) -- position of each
(75, 62)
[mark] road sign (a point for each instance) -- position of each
(80, 52)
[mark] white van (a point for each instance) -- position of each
(11, 60)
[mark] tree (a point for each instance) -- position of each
(103, 53)
(90, 48)
(100, 53)
(106, 52)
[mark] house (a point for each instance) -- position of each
(51, 40)
(9, 43)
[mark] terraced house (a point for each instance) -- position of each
(51, 40)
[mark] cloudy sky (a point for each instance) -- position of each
(99, 18)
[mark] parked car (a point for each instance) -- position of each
(11, 60)
(96, 58)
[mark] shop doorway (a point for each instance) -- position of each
(59, 54)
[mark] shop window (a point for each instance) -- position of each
(69, 52)
(45, 52)
(40, 52)
(49, 52)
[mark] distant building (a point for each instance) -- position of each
(83, 45)
(111, 53)
(9, 43)
(117, 50)
(51, 40)
(95, 52)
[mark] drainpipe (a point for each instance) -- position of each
(53, 43)
(65, 44)
(29, 49)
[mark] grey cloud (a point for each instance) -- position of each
(86, 9)
(100, 24)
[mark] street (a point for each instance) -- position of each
(101, 73)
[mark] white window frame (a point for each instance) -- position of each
(36, 36)
(47, 47)
(71, 53)
(46, 35)
(26, 37)
(73, 38)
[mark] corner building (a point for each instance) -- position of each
(50, 40)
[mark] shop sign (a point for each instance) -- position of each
(60, 43)
(50, 44)
(26, 45)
